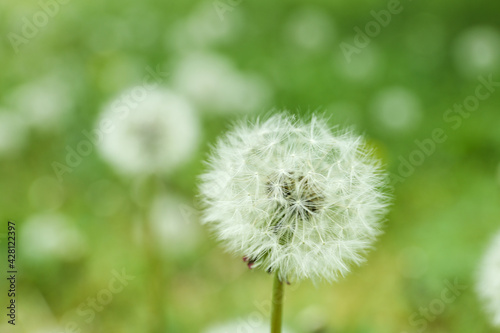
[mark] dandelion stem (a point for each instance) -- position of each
(156, 274)
(277, 304)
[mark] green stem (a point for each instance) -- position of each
(277, 304)
(155, 274)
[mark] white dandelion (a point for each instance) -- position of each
(488, 283)
(295, 198)
(151, 131)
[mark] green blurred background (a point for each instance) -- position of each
(233, 60)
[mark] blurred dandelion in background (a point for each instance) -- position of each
(365, 67)
(147, 133)
(488, 282)
(310, 29)
(49, 236)
(45, 103)
(396, 109)
(203, 29)
(14, 133)
(213, 82)
(240, 325)
(176, 232)
(477, 51)
(153, 133)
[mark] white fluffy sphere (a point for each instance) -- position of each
(294, 197)
(148, 130)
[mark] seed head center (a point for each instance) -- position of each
(294, 190)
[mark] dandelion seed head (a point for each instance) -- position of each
(294, 197)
